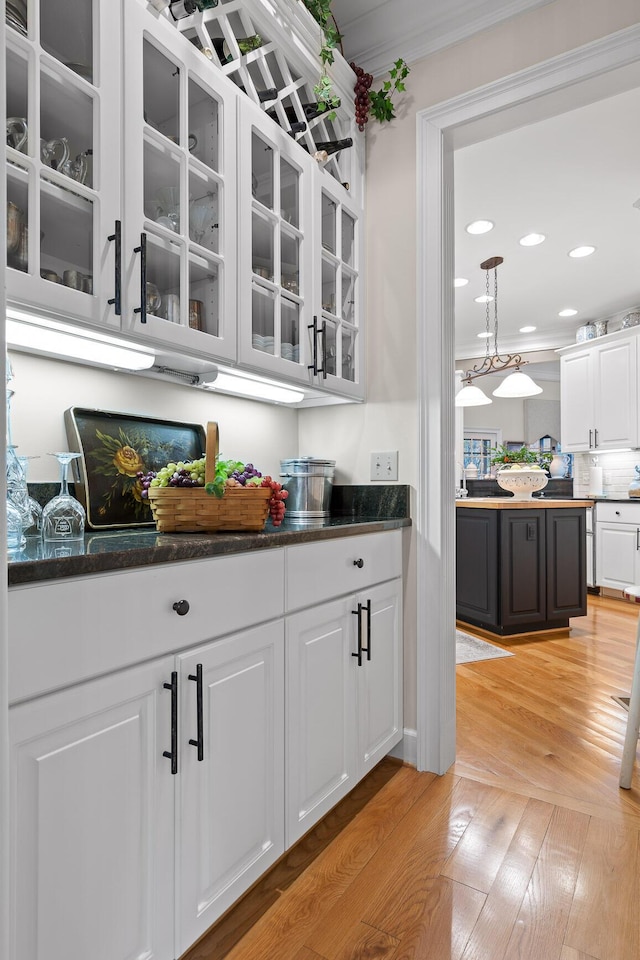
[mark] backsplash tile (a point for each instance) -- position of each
(618, 470)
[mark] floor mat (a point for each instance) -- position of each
(469, 649)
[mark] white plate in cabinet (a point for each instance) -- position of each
(92, 821)
(70, 630)
(230, 820)
(332, 568)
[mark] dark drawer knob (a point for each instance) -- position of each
(359, 563)
(181, 607)
(617, 513)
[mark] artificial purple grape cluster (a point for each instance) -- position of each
(247, 474)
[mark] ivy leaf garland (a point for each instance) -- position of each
(380, 101)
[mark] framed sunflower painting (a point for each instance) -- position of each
(115, 450)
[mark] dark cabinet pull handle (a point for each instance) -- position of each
(173, 753)
(637, 538)
(595, 437)
(367, 607)
(116, 299)
(359, 563)
(181, 607)
(358, 613)
(314, 366)
(142, 250)
(199, 743)
(323, 337)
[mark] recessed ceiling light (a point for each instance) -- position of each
(569, 312)
(484, 335)
(581, 252)
(484, 298)
(527, 329)
(460, 282)
(532, 239)
(479, 226)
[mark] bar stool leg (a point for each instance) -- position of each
(633, 723)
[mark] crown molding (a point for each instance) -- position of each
(413, 29)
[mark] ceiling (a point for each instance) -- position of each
(574, 177)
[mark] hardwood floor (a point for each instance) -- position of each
(525, 850)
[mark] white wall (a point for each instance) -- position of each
(44, 389)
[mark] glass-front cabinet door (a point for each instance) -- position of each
(179, 191)
(274, 305)
(63, 156)
(337, 334)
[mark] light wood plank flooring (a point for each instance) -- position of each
(525, 850)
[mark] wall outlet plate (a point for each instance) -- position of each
(384, 466)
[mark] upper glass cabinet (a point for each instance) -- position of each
(275, 247)
(63, 148)
(339, 343)
(179, 191)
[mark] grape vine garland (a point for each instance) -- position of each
(377, 102)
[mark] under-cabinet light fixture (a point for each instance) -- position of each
(45, 336)
(254, 388)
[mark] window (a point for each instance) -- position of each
(477, 446)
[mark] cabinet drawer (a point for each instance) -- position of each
(318, 571)
(66, 631)
(618, 512)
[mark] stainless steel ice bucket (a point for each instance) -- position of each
(309, 482)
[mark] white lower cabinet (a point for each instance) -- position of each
(92, 821)
(344, 690)
(617, 535)
(230, 823)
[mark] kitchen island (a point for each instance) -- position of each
(520, 564)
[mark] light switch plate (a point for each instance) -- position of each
(384, 466)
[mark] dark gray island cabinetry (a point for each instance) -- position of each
(520, 565)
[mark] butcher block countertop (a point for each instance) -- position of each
(508, 503)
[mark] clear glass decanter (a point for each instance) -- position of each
(35, 530)
(17, 491)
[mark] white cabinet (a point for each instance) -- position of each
(344, 675)
(230, 822)
(63, 159)
(617, 538)
(179, 225)
(92, 821)
(599, 395)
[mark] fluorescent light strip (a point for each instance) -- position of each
(45, 336)
(254, 388)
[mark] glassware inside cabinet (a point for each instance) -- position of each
(289, 330)
(161, 90)
(349, 354)
(262, 171)
(348, 295)
(289, 262)
(348, 238)
(163, 279)
(17, 218)
(263, 320)
(329, 274)
(66, 33)
(16, 101)
(203, 212)
(262, 246)
(16, 16)
(66, 237)
(204, 296)
(66, 128)
(329, 359)
(204, 137)
(162, 186)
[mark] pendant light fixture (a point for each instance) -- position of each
(517, 384)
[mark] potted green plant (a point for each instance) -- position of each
(521, 472)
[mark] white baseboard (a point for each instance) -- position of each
(407, 749)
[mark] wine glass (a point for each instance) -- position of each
(35, 529)
(63, 517)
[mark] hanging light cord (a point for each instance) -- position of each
(493, 363)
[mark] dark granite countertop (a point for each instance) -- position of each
(356, 510)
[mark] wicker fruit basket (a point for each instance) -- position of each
(193, 510)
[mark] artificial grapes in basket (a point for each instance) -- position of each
(229, 473)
